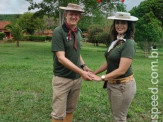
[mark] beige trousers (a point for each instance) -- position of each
(65, 96)
(120, 97)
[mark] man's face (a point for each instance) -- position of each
(72, 17)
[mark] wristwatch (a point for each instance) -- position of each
(103, 77)
(83, 65)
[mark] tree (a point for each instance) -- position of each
(149, 26)
(45, 23)
(99, 34)
(95, 12)
(49, 22)
(156, 6)
(148, 32)
(29, 23)
(91, 7)
(16, 32)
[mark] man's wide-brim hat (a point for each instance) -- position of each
(123, 16)
(72, 7)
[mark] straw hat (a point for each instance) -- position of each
(72, 7)
(123, 16)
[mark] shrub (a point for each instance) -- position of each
(37, 38)
(49, 38)
(98, 34)
(2, 35)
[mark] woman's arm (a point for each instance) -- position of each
(102, 68)
(123, 67)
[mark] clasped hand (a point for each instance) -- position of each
(89, 75)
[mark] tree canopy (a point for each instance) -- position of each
(149, 27)
(28, 23)
(16, 32)
(95, 13)
(91, 7)
(156, 6)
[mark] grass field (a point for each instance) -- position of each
(26, 93)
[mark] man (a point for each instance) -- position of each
(67, 65)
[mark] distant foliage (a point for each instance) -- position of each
(16, 32)
(97, 34)
(37, 38)
(156, 6)
(2, 35)
(9, 17)
(149, 29)
(28, 23)
(152, 31)
(91, 7)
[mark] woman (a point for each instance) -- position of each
(121, 85)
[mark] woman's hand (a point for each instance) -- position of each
(96, 78)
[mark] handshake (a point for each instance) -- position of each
(90, 75)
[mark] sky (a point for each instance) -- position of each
(14, 6)
(21, 6)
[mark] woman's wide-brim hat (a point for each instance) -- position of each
(72, 7)
(123, 16)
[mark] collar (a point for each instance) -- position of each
(115, 41)
(121, 37)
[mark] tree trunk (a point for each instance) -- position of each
(17, 43)
(61, 17)
(146, 52)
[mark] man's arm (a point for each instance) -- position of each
(68, 64)
(85, 68)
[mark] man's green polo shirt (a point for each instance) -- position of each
(60, 42)
(126, 50)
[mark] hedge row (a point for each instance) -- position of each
(37, 38)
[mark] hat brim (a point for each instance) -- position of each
(132, 18)
(70, 9)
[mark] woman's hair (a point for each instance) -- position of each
(129, 33)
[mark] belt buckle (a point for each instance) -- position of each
(118, 81)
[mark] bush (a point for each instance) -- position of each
(37, 38)
(49, 38)
(93, 33)
(97, 34)
(2, 35)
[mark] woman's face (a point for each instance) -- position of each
(121, 26)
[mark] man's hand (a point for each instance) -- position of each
(87, 69)
(87, 75)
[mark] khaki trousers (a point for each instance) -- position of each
(65, 96)
(120, 97)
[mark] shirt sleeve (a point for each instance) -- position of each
(57, 41)
(129, 49)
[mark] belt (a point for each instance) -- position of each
(121, 80)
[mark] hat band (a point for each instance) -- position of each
(122, 16)
(74, 8)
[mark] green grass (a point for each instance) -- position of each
(26, 93)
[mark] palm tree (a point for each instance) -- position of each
(16, 32)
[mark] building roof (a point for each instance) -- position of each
(3, 24)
